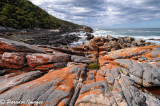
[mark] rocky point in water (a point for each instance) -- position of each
(128, 73)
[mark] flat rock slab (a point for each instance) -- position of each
(37, 59)
(14, 46)
(51, 88)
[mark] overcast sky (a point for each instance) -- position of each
(105, 13)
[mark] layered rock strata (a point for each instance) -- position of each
(61, 77)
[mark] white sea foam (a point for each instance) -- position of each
(133, 33)
(120, 33)
(81, 41)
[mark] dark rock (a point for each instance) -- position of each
(89, 36)
(65, 40)
(2, 72)
(87, 29)
(147, 43)
(140, 42)
(65, 29)
(71, 38)
(134, 44)
(80, 59)
(154, 39)
(128, 39)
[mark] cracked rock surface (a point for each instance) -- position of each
(57, 77)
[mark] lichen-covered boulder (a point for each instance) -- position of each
(37, 59)
(14, 60)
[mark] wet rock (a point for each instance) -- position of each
(71, 38)
(154, 39)
(89, 36)
(65, 40)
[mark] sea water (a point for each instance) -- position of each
(137, 33)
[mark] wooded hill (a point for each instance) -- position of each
(22, 14)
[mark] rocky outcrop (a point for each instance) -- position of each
(42, 37)
(67, 39)
(110, 43)
(64, 29)
(154, 39)
(87, 29)
(89, 36)
(53, 76)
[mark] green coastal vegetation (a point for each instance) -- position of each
(93, 66)
(22, 14)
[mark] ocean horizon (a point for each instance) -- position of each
(138, 33)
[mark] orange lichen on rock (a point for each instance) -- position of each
(44, 67)
(39, 59)
(89, 81)
(64, 78)
(105, 59)
(110, 66)
(5, 46)
(99, 77)
(93, 92)
(12, 60)
(150, 48)
(150, 55)
(123, 54)
(67, 84)
(62, 104)
(90, 77)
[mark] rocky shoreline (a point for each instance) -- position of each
(63, 37)
(105, 71)
(154, 39)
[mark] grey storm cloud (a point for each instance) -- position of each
(102, 12)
